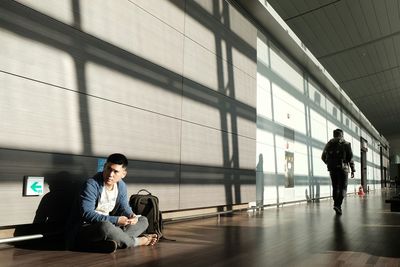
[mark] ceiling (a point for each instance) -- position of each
(358, 43)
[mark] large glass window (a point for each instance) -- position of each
(293, 126)
(316, 96)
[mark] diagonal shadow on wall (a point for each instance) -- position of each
(83, 48)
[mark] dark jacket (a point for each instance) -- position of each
(347, 161)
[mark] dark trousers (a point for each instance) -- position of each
(125, 236)
(339, 178)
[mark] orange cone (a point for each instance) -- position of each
(361, 191)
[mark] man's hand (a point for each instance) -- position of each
(123, 220)
(352, 174)
(133, 219)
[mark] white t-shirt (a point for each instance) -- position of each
(107, 200)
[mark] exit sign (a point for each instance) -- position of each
(33, 185)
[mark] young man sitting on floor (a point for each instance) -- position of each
(106, 219)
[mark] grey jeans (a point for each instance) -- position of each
(125, 236)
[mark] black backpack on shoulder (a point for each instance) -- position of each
(147, 205)
(336, 155)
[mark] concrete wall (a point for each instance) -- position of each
(171, 84)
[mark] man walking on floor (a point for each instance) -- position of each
(338, 157)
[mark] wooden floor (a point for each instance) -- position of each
(367, 234)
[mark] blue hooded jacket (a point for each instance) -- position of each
(90, 196)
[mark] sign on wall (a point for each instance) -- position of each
(33, 186)
(289, 169)
(100, 164)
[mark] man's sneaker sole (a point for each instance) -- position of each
(106, 246)
(338, 210)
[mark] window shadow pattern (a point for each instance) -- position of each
(84, 48)
(312, 181)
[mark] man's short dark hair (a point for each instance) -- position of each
(338, 133)
(119, 159)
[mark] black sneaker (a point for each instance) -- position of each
(105, 246)
(338, 210)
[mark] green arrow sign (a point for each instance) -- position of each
(36, 188)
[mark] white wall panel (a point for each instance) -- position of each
(210, 147)
(262, 50)
(318, 126)
(134, 132)
(223, 31)
(198, 198)
(300, 159)
(268, 156)
(376, 158)
(218, 112)
(331, 128)
(356, 146)
(131, 28)
(36, 116)
(301, 192)
(133, 91)
(316, 95)
(347, 121)
(20, 209)
(265, 137)
(203, 186)
(369, 154)
(280, 141)
(61, 10)
(264, 108)
(319, 167)
(357, 167)
(285, 69)
(280, 157)
(170, 12)
(263, 81)
(370, 174)
(286, 194)
(325, 190)
(211, 71)
(28, 58)
(288, 110)
(334, 110)
(271, 192)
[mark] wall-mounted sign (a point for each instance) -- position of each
(364, 144)
(33, 186)
(289, 169)
(100, 164)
